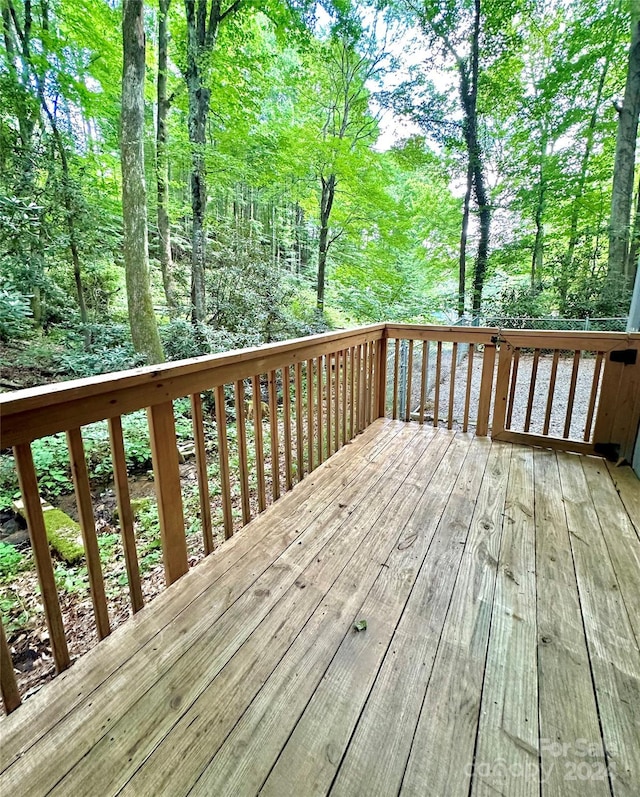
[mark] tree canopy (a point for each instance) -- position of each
(311, 165)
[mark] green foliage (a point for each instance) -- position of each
(11, 561)
(15, 312)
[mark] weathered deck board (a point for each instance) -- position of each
(500, 587)
(628, 486)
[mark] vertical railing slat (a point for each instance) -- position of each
(286, 419)
(407, 408)
(436, 394)
(593, 395)
(197, 421)
(299, 424)
(40, 547)
(371, 390)
(256, 397)
(502, 389)
(320, 405)
(243, 465)
(125, 514)
(467, 398)
(337, 414)
(328, 400)
(88, 529)
(452, 385)
(423, 379)
(512, 390)
(532, 389)
(166, 471)
(310, 429)
(275, 443)
(345, 389)
(381, 380)
(550, 394)
(8, 683)
(572, 393)
(223, 461)
(396, 378)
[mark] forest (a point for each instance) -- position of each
(185, 178)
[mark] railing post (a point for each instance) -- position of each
(484, 402)
(502, 389)
(166, 472)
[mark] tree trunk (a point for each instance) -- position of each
(623, 171)
(462, 268)
(162, 163)
(634, 245)
(144, 330)
(199, 42)
(326, 203)
(537, 256)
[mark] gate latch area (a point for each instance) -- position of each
(625, 356)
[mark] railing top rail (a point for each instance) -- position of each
(26, 415)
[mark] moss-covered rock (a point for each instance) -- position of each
(64, 535)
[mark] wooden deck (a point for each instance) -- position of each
(500, 586)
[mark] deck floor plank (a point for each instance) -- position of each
(316, 746)
(442, 749)
(568, 714)
(264, 728)
(376, 757)
(613, 651)
(501, 589)
(627, 485)
(506, 759)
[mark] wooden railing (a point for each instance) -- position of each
(319, 393)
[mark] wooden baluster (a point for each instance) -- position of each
(358, 388)
(552, 387)
(125, 515)
(166, 471)
(532, 389)
(223, 461)
(88, 529)
(258, 438)
(436, 395)
(320, 403)
(352, 410)
(597, 368)
(8, 683)
(42, 557)
(299, 425)
(407, 409)
(452, 384)
(345, 387)
(286, 417)
(423, 379)
(512, 391)
(275, 443)
(310, 430)
(486, 385)
(572, 393)
(336, 414)
(381, 380)
(396, 379)
(502, 389)
(241, 434)
(371, 393)
(197, 422)
(328, 390)
(467, 398)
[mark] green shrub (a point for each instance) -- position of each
(11, 561)
(15, 313)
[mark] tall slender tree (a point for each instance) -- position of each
(142, 320)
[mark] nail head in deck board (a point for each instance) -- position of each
(613, 652)
(449, 716)
(40, 547)
(508, 726)
(331, 715)
(166, 472)
(46, 709)
(567, 704)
